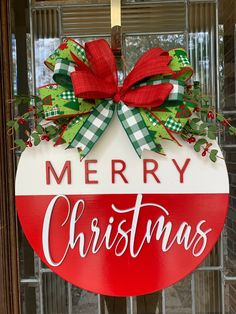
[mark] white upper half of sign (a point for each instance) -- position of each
(200, 176)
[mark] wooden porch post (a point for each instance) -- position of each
(9, 278)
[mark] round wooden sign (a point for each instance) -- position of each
(119, 225)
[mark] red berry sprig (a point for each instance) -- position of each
(196, 109)
(29, 143)
(225, 122)
(191, 139)
(210, 115)
(21, 121)
(45, 137)
(206, 149)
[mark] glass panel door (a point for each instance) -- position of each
(167, 24)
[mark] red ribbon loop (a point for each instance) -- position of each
(99, 79)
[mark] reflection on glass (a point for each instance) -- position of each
(230, 226)
(29, 301)
(83, 40)
(83, 302)
(136, 45)
(26, 256)
(178, 297)
(43, 48)
(200, 54)
(55, 297)
(207, 292)
(230, 302)
(14, 63)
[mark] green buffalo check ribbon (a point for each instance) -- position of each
(136, 129)
(93, 128)
(150, 105)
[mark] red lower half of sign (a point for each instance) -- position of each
(122, 244)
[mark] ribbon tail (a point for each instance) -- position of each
(71, 129)
(93, 128)
(164, 125)
(136, 129)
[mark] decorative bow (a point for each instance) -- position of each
(149, 105)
